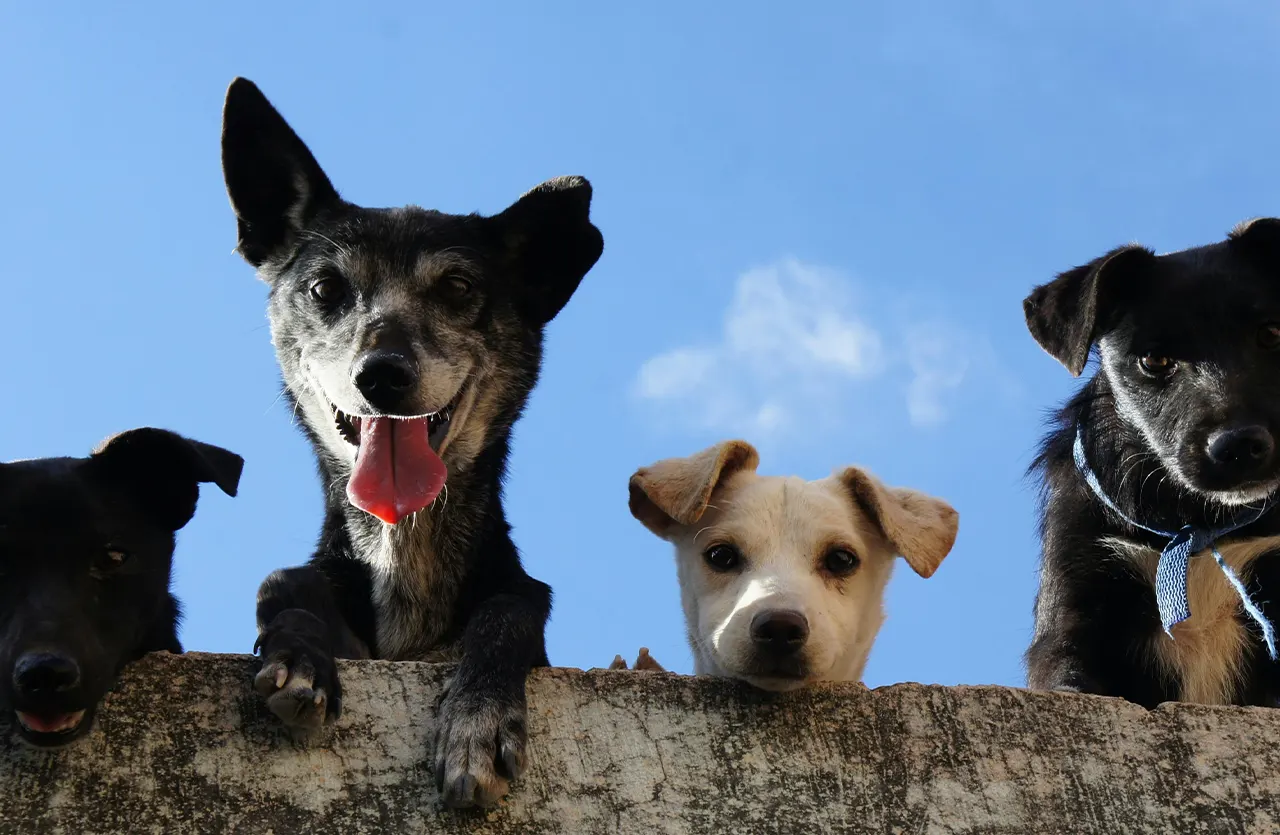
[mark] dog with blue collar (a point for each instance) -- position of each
(1160, 536)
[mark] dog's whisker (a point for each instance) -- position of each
(277, 399)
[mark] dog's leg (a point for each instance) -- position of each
(481, 730)
(300, 632)
(1095, 620)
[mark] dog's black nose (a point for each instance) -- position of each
(385, 378)
(1242, 449)
(780, 631)
(44, 673)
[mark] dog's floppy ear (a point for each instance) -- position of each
(1065, 315)
(275, 184)
(1258, 239)
(676, 491)
(165, 470)
(549, 236)
(920, 528)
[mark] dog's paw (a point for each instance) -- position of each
(479, 746)
(299, 680)
(645, 661)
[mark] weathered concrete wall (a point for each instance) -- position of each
(184, 746)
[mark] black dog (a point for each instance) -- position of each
(1177, 430)
(409, 341)
(86, 547)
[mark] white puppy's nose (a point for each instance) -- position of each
(779, 631)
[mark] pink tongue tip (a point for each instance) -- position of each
(397, 473)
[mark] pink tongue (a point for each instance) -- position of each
(397, 473)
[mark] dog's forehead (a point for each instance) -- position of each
(1213, 271)
(1194, 298)
(785, 512)
(375, 244)
(44, 491)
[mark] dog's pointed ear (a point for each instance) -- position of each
(919, 527)
(1258, 239)
(676, 491)
(1065, 316)
(551, 242)
(275, 184)
(164, 470)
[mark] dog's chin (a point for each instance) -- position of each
(1249, 494)
(49, 731)
(781, 676)
(1226, 494)
(1200, 482)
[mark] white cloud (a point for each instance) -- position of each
(675, 374)
(939, 361)
(793, 350)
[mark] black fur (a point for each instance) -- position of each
(459, 302)
(1212, 312)
(86, 548)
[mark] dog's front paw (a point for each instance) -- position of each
(479, 745)
(299, 678)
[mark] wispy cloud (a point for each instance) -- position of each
(796, 346)
(939, 359)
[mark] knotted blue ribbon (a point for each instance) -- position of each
(1175, 559)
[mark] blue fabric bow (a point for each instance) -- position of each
(1175, 559)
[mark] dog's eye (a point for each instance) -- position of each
(328, 290)
(840, 562)
(722, 557)
(1155, 366)
(110, 560)
(1269, 336)
(455, 287)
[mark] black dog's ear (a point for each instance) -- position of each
(549, 235)
(165, 470)
(1064, 315)
(275, 184)
(1258, 239)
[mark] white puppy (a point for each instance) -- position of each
(783, 579)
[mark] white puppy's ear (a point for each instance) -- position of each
(676, 491)
(920, 528)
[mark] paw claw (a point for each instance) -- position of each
(300, 686)
(512, 762)
(480, 742)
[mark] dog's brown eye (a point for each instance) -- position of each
(328, 291)
(455, 287)
(110, 560)
(1157, 366)
(722, 557)
(1269, 336)
(840, 562)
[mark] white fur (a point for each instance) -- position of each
(784, 527)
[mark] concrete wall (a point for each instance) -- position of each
(183, 745)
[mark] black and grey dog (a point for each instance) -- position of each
(1161, 465)
(86, 548)
(409, 341)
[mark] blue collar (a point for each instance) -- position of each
(1175, 559)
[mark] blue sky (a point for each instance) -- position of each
(818, 226)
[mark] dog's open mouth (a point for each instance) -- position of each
(50, 729)
(437, 424)
(398, 469)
